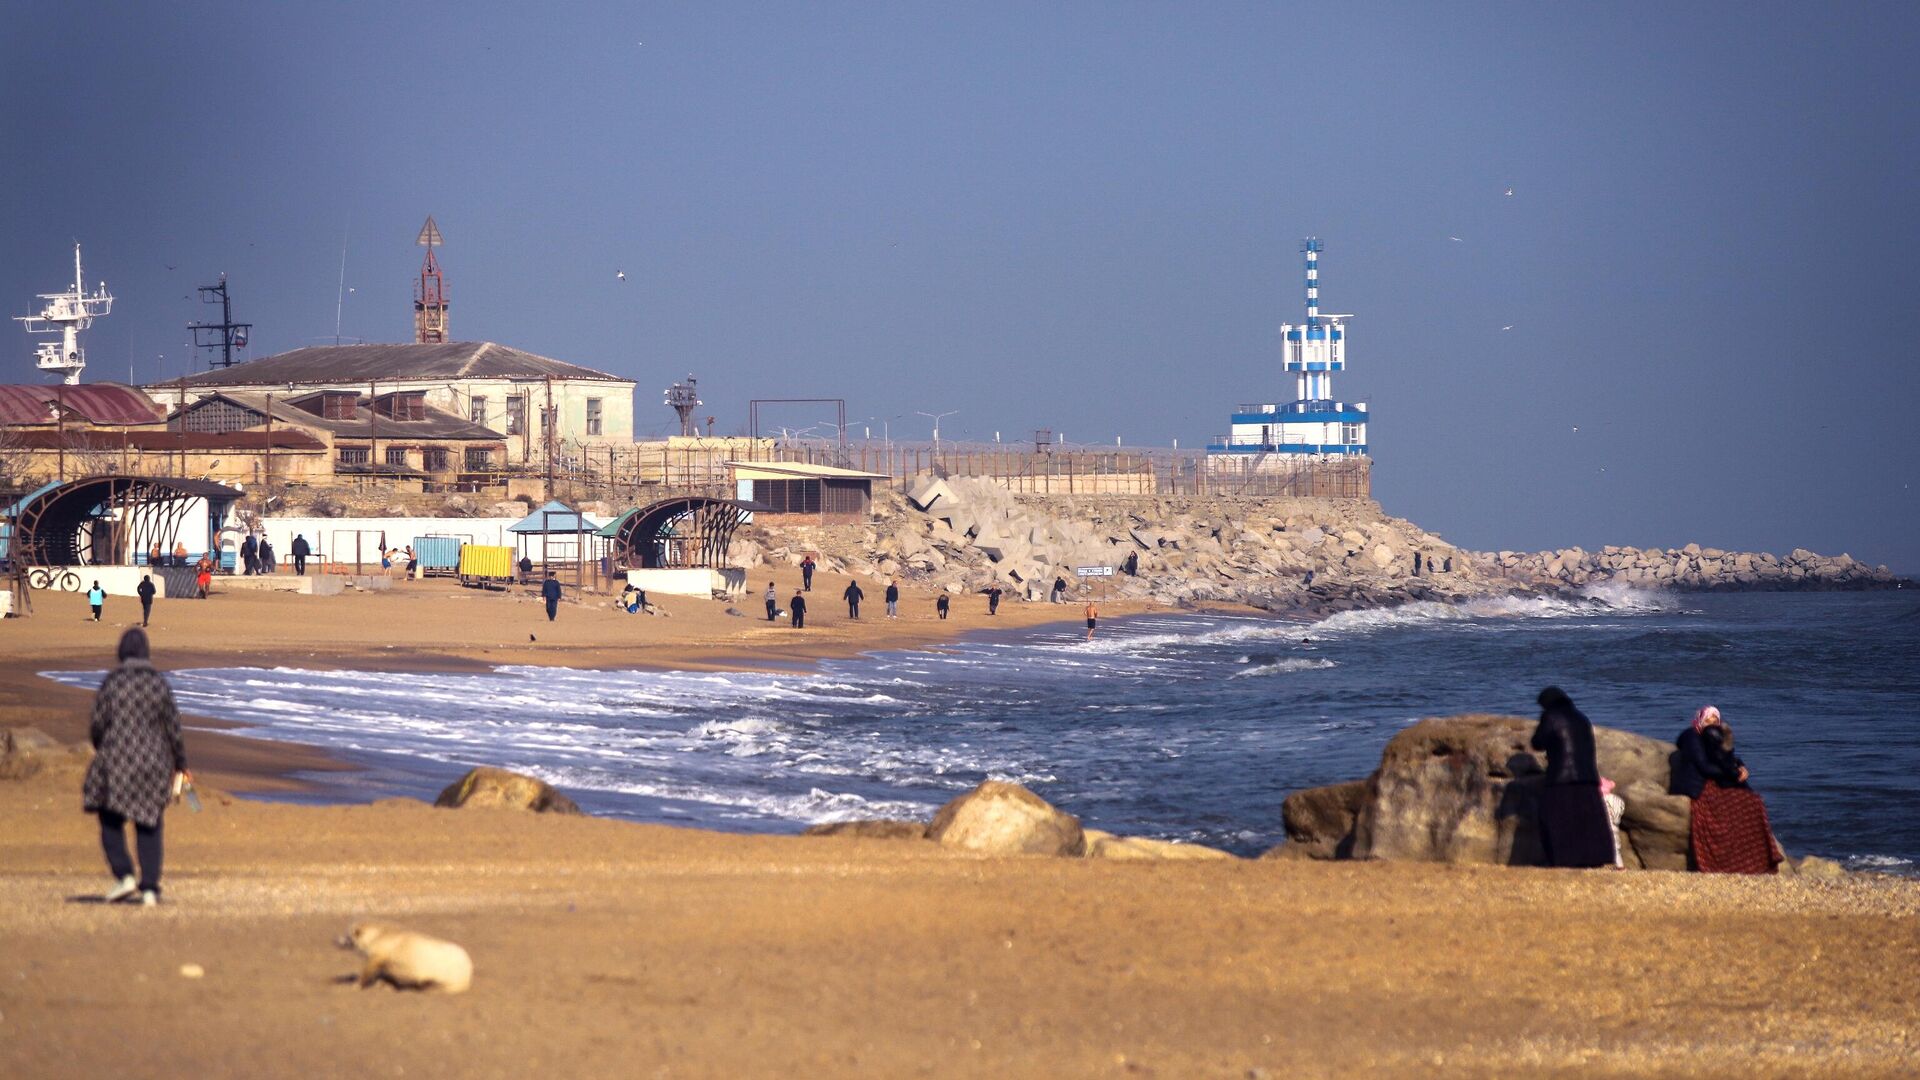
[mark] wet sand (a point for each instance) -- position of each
(610, 948)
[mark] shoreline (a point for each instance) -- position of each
(698, 636)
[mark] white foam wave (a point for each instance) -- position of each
(1282, 667)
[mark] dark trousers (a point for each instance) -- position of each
(299, 564)
(113, 841)
(146, 609)
(553, 608)
(773, 608)
(806, 578)
(96, 612)
(943, 611)
(799, 618)
(853, 609)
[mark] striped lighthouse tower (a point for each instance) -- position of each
(1313, 424)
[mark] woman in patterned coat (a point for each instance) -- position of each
(138, 749)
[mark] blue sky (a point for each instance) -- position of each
(1078, 216)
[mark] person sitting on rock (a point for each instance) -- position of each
(1729, 831)
(1571, 815)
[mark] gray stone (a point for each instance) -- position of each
(999, 818)
(490, 788)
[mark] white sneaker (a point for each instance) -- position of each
(126, 888)
(149, 898)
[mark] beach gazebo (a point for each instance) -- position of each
(557, 533)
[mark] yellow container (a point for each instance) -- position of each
(482, 561)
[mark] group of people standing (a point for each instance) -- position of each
(1577, 813)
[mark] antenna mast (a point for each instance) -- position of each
(430, 294)
(225, 335)
(684, 399)
(66, 314)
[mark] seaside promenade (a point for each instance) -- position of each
(609, 948)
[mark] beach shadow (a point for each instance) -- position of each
(96, 898)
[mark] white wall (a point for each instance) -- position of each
(324, 534)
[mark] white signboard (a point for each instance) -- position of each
(1093, 571)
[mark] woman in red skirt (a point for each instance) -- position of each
(1730, 831)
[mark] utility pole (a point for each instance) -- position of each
(546, 430)
(225, 335)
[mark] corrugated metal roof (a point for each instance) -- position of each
(99, 403)
(439, 423)
(564, 519)
(112, 441)
(801, 469)
(349, 364)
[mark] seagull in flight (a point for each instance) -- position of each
(1456, 239)
(620, 275)
(1509, 326)
(1509, 193)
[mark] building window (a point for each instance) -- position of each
(434, 459)
(1350, 434)
(477, 410)
(593, 416)
(516, 414)
(411, 405)
(337, 405)
(479, 459)
(396, 455)
(353, 455)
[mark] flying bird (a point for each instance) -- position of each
(1509, 192)
(620, 274)
(1456, 239)
(1509, 326)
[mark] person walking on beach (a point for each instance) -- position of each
(993, 599)
(551, 593)
(806, 572)
(267, 563)
(97, 599)
(146, 591)
(854, 596)
(1093, 618)
(249, 556)
(139, 752)
(1729, 831)
(798, 607)
(773, 602)
(1059, 590)
(203, 577)
(893, 599)
(300, 550)
(940, 605)
(1572, 816)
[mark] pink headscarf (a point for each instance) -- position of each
(1706, 717)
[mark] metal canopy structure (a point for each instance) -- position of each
(677, 534)
(103, 520)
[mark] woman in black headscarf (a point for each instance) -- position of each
(1574, 828)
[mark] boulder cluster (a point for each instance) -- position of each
(1692, 568)
(998, 818)
(1462, 789)
(965, 535)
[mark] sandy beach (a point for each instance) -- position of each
(610, 948)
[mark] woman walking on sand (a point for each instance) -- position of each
(1729, 831)
(138, 753)
(1574, 828)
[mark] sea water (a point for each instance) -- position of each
(1179, 726)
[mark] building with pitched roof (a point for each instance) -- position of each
(522, 397)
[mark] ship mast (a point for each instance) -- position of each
(66, 314)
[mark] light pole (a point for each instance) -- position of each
(936, 418)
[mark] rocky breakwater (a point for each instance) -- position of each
(1462, 789)
(1281, 554)
(1691, 568)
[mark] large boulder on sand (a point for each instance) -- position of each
(498, 789)
(1462, 789)
(998, 818)
(21, 750)
(1319, 821)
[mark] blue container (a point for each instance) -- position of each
(437, 554)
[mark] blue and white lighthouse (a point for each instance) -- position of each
(1313, 424)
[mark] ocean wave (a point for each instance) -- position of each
(1282, 667)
